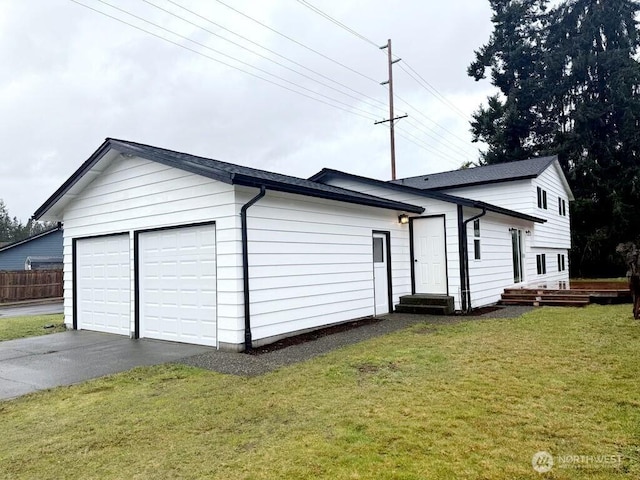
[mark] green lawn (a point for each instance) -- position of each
(470, 400)
(20, 327)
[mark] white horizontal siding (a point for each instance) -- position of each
(490, 275)
(515, 195)
(311, 261)
(522, 196)
(556, 232)
(134, 194)
(553, 276)
(432, 207)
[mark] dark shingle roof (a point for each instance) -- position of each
(327, 173)
(501, 172)
(228, 173)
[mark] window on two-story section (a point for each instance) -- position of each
(476, 239)
(542, 198)
(541, 261)
(562, 207)
(561, 263)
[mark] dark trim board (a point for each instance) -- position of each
(412, 250)
(74, 281)
(387, 235)
(74, 273)
(136, 268)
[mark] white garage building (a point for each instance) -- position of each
(165, 245)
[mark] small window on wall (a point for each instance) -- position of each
(541, 261)
(476, 239)
(561, 263)
(562, 207)
(542, 198)
(378, 250)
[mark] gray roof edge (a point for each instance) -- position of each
(211, 171)
(31, 238)
(327, 173)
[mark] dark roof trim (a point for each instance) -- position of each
(32, 237)
(484, 182)
(327, 173)
(344, 196)
(192, 164)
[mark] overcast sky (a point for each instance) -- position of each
(70, 77)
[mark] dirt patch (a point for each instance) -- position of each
(309, 336)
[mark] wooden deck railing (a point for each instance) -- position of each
(30, 285)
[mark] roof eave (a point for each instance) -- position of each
(31, 238)
(301, 190)
(434, 195)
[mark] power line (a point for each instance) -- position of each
(316, 10)
(419, 143)
(273, 52)
(233, 58)
(460, 139)
(420, 80)
(367, 116)
(431, 89)
(297, 42)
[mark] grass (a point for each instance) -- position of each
(470, 400)
(21, 327)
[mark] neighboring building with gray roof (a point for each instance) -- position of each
(38, 251)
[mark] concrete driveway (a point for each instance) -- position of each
(31, 308)
(37, 363)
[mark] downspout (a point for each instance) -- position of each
(464, 257)
(245, 269)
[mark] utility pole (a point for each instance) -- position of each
(391, 118)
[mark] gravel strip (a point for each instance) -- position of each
(251, 365)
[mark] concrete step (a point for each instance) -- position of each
(427, 299)
(424, 309)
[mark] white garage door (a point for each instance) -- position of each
(177, 285)
(103, 290)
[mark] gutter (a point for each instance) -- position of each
(463, 249)
(245, 269)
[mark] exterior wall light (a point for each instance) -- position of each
(403, 219)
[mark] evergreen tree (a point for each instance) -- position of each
(12, 229)
(570, 88)
(594, 80)
(510, 122)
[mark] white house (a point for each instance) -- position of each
(166, 245)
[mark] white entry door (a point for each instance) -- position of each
(380, 274)
(429, 256)
(103, 290)
(177, 284)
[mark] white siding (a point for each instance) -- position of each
(432, 207)
(514, 195)
(490, 275)
(135, 194)
(553, 276)
(556, 232)
(311, 261)
(522, 196)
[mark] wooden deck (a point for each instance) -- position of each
(575, 294)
